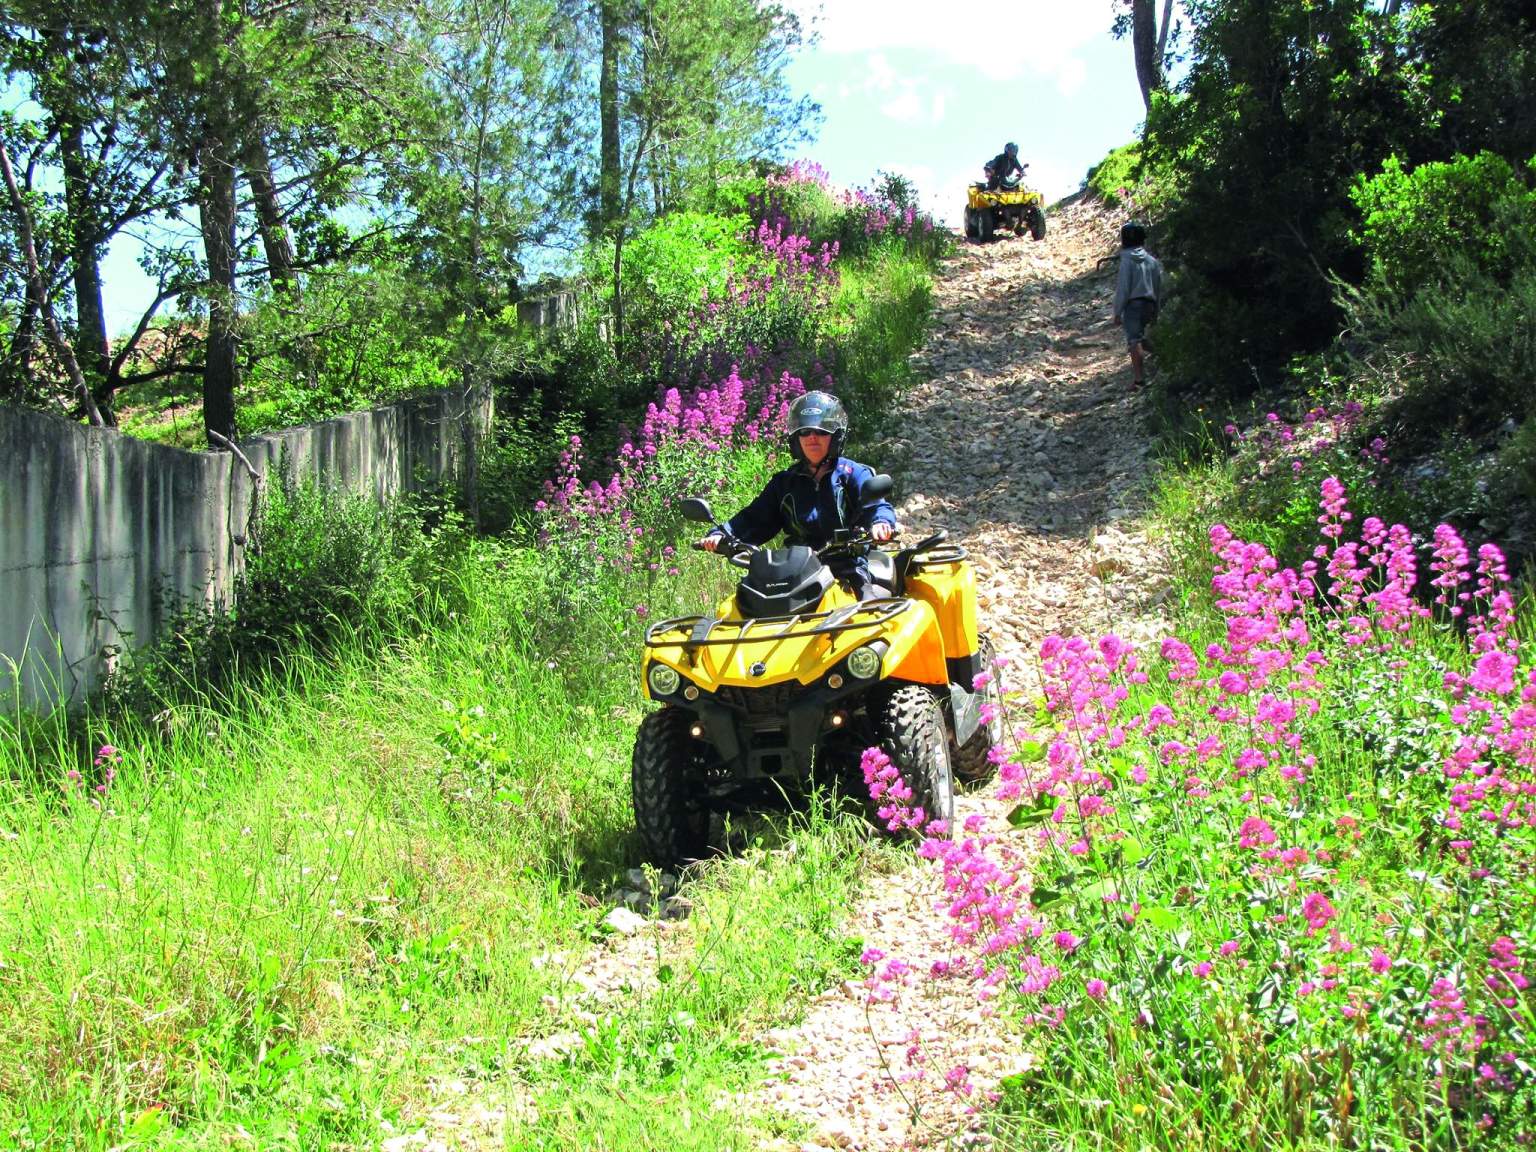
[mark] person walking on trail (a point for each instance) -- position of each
(1137, 294)
(817, 495)
(1003, 167)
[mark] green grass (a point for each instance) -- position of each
(292, 905)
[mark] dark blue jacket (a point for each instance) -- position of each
(808, 512)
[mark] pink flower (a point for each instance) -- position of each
(1096, 989)
(1317, 911)
(1255, 832)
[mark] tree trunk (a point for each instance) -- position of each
(269, 215)
(608, 112)
(1149, 72)
(23, 345)
(92, 347)
(216, 209)
(56, 337)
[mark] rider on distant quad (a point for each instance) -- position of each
(1004, 169)
(818, 495)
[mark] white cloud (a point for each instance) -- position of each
(1002, 41)
(905, 99)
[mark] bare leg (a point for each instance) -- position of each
(1138, 358)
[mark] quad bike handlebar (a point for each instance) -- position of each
(853, 543)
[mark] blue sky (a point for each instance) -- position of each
(925, 88)
(932, 90)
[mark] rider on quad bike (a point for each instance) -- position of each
(817, 496)
(1004, 169)
(825, 648)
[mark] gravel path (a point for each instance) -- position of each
(1025, 442)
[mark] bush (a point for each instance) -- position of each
(1439, 222)
(320, 565)
(1452, 292)
(354, 343)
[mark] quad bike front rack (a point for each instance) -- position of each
(702, 629)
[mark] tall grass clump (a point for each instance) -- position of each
(1279, 885)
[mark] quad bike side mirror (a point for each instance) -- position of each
(876, 488)
(696, 508)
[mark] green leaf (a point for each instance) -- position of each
(1035, 812)
(664, 974)
(147, 1124)
(1163, 919)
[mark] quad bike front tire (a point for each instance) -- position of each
(972, 761)
(667, 789)
(1037, 223)
(911, 730)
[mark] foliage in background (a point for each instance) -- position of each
(1451, 293)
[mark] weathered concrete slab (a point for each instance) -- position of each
(103, 536)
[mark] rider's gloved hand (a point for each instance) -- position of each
(711, 542)
(881, 531)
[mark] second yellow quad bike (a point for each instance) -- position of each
(988, 212)
(793, 677)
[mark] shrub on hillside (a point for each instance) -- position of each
(1416, 222)
(1452, 250)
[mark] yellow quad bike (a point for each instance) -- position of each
(792, 678)
(987, 213)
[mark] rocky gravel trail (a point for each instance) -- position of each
(1025, 442)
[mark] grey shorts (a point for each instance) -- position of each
(1139, 315)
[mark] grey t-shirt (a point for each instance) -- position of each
(1141, 276)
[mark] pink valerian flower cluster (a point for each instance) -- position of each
(684, 429)
(1276, 445)
(797, 260)
(105, 764)
(800, 172)
(1236, 741)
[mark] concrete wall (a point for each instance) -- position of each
(557, 310)
(103, 536)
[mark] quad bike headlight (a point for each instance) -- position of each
(864, 663)
(663, 680)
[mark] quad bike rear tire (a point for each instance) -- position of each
(986, 226)
(972, 228)
(1037, 223)
(667, 788)
(972, 761)
(912, 733)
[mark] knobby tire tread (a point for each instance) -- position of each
(660, 779)
(972, 763)
(912, 734)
